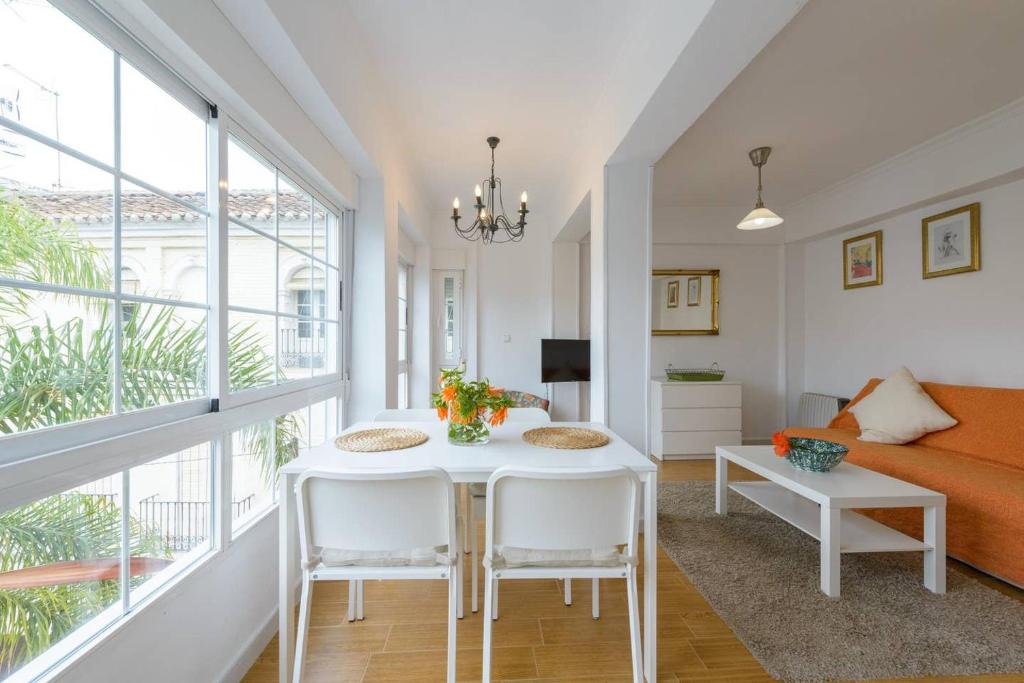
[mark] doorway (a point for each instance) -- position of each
(447, 328)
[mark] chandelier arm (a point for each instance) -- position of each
(470, 231)
(509, 237)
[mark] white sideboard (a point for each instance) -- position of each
(688, 419)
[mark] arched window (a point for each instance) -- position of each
(129, 285)
(310, 301)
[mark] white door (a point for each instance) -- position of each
(446, 290)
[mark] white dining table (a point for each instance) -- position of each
(465, 464)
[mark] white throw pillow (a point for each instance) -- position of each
(899, 411)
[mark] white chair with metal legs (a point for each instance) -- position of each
(563, 522)
(376, 524)
(475, 511)
(355, 590)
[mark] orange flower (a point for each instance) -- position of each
(495, 391)
(442, 413)
(448, 393)
(781, 444)
(498, 417)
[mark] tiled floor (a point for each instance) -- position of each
(537, 637)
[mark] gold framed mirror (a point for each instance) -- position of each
(684, 302)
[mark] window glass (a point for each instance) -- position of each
(253, 472)
(60, 561)
(56, 79)
(257, 453)
(162, 141)
(285, 285)
(251, 350)
(251, 187)
(325, 234)
(251, 270)
(163, 242)
(59, 228)
(56, 359)
(56, 216)
(170, 516)
(163, 359)
(294, 214)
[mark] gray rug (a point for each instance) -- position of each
(761, 576)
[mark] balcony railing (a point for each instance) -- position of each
(182, 525)
(304, 350)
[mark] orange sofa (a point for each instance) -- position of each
(978, 464)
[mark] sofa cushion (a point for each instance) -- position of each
(899, 411)
(984, 500)
(990, 421)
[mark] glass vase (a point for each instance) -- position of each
(475, 433)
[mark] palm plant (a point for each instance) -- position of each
(59, 372)
(61, 528)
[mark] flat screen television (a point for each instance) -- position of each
(564, 360)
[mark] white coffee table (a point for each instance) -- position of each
(818, 504)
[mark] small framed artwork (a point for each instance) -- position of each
(693, 291)
(951, 242)
(862, 260)
(672, 300)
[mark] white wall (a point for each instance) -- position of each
(960, 329)
(508, 287)
(565, 321)
(747, 346)
(584, 300)
(627, 234)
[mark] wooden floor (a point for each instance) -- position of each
(537, 637)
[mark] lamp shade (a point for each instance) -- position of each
(759, 219)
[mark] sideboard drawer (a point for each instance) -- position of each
(698, 443)
(703, 395)
(701, 419)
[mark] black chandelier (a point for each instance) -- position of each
(490, 217)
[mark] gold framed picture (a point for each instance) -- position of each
(693, 291)
(672, 300)
(669, 317)
(862, 260)
(951, 242)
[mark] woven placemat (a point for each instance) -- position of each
(383, 439)
(565, 437)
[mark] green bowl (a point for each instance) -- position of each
(815, 455)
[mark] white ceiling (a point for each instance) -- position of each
(528, 71)
(843, 87)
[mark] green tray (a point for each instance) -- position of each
(712, 374)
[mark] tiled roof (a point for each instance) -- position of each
(248, 206)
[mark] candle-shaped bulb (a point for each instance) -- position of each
(483, 214)
(478, 192)
(522, 197)
(455, 204)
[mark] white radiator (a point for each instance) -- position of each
(817, 410)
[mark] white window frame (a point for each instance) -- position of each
(47, 461)
(333, 289)
(24, 445)
(406, 325)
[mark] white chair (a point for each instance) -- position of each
(376, 524)
(559, 522)
(475, 509)
(406, 415)
(355, 589)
